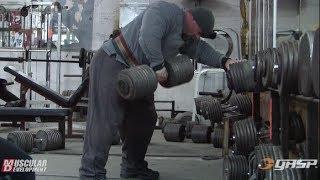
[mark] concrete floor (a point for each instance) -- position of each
(174, 161)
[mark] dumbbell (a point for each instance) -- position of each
(139, 81)
(235, 167)
(217, 136)
(212, 109)
(174, 132)
(201, 133)
(296, 128)
(48, 139)
(22, 139)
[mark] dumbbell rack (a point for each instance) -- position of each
(279, 119)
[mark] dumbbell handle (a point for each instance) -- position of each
(38, 140)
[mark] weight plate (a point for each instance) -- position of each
(180, 70)
(291, 81)
(296, 130)
(283, 49)
(174, 132)
(201, 134)
(217, 136)
(136, 82)
(268, 59)
(296, 66)
(305, 58)
(42, 140)
(189, 127)
(315, 63)
(276, 68)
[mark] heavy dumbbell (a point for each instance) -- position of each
(241, 76)
(139, 81)
(243, 103)
(217, 136)
(189, 126)
(245, 136)
(201, 133)
(174, 132)
(316, 63)
(48, 139)
(212, 109)
(180, 70)
(22, 139)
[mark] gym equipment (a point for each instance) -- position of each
(305, 62)
(189, 126)
(180, 70)
(315, 63)
(296, 128)
(139, 81)
(235, 167)
(242, 76)
(243, 103)
(183, 118)
(49, 139)
(201, 133)
(217, 136)
(174, 132)
(29, 83)
(22, 139)
(136, 82)
(245, 136)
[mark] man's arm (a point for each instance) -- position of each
(209, 56)
(153, 29)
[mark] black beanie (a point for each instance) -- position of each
(205, 19)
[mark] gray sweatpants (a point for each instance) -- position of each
(108, 113)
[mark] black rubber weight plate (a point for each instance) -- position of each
(315, 63)
(305, 50)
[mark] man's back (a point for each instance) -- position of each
(153, 35)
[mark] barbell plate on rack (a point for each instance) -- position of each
(268, 59)
(315, 63)
(296, 128)
(291, 81)
(275, 68)
(283, 49)
(305, 58)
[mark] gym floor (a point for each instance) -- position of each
(174, 161)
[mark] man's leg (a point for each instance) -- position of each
(139, 123)
(105, 113)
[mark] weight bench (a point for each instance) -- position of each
(15, 114)
(29, 83)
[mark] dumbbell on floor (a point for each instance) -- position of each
(174, 132)
(22, 139)
(48, 139)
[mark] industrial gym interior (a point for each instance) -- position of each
(258, 120)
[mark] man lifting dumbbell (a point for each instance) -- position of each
(162, 31)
